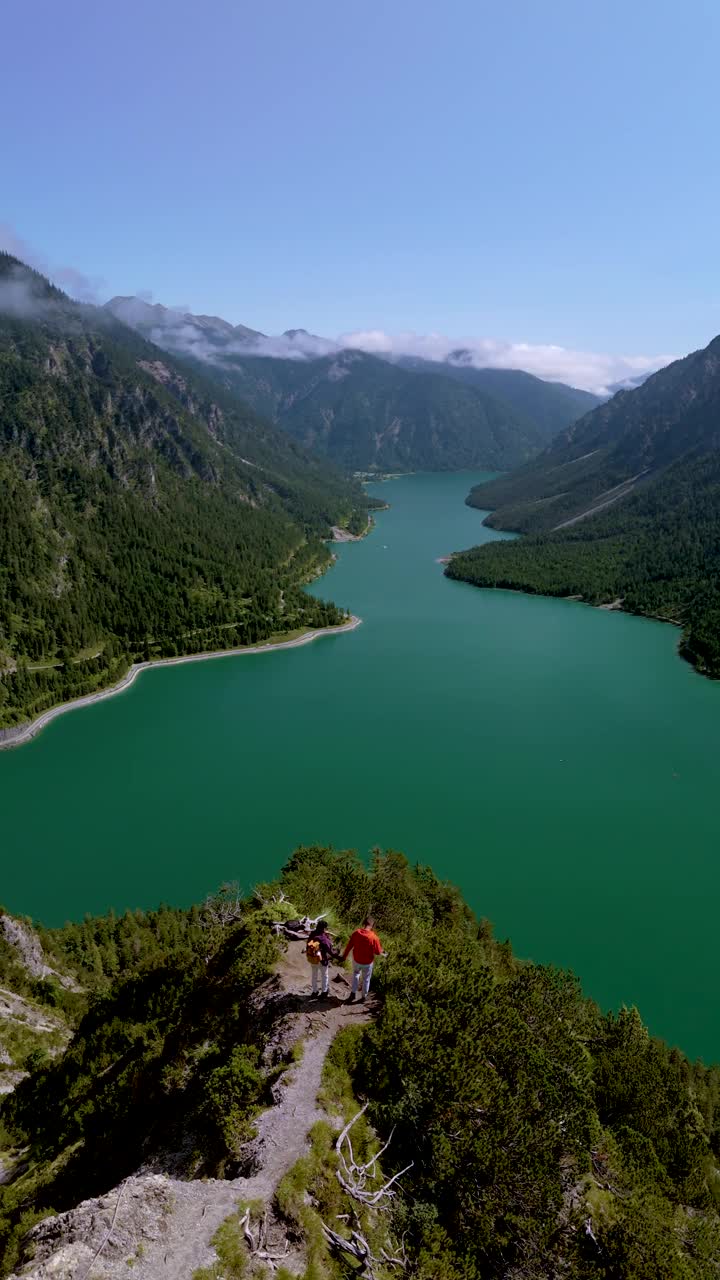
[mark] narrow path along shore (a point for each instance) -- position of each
(15, 738)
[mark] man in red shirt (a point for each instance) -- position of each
(365, 946)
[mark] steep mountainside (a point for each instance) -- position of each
(33, 1023)
(673, 416)
(363, 412)
(550, 406)
(629, 384)
(509, 1129)
(625, 505)
(144, 510)
(367, 414)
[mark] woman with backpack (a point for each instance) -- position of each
(320, 950)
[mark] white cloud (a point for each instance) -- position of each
(590, 370)
(296, 344)
(76, 283)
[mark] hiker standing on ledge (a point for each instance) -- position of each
(365, 946)
(320, 950)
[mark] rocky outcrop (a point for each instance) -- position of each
(30, 953)
(10, 1080)
(25, 1025)
(16, 1008)
(113, 1230)
(7, 736)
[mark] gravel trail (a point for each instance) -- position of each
(161, 1226)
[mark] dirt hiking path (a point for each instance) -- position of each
(161, 1226)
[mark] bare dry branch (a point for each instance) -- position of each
(357, 1247)
(224, 907)
(353, 1176)
(257, 1243)
(244, 1225)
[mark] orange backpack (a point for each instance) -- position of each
(313, 952)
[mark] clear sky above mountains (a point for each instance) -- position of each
(538, 173)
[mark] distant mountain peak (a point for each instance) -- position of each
(311, 344)
(460, 356)
(180, 331)
(630, 383)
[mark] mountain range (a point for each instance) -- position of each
(623, 507)
(364, 412)
(145, 510)
(550, 406)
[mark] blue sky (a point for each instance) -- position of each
(535, 172)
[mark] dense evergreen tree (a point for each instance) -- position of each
(367, 413)
(545, 1137)
(143, 511)
(658, 552)
(623, 505)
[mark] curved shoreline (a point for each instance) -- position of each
(26, 732)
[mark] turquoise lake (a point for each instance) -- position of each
(559, 763)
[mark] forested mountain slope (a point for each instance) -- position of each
(533, 1135)
(363, 412)
(674, 416)
(143, 509)
(550, 406)
(625, 505)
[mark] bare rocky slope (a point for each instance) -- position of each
(28, 1025)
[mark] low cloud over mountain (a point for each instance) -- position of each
(204, 336)
(591, 370)
(210, 338)
(81, 287)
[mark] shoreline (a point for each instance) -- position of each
(17, 736)
(612, 606)
(343, 535)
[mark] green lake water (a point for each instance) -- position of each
(557, 762)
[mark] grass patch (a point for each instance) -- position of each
(233, 1259)
(336, 1092)
(20, 1040)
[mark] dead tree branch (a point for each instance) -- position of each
(357, 1247)
(224, 907)
(257, 1243)
(353, 1177)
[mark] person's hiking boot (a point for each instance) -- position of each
(324, 995)
(362, 999)
(314, 995)
(351, 997)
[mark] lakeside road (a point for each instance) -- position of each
(30, 730)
